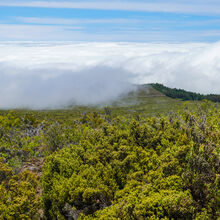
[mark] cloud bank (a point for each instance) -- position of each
(53, 75)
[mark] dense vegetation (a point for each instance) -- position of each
(184, 95)
(107, 166)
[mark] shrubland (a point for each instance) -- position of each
(103, 165)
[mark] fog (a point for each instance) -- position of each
(54, 75)
(93, 86)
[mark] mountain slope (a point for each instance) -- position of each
(183, 94)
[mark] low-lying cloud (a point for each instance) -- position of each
(53, 75)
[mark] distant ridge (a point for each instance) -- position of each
(183, 94)
(150, 94)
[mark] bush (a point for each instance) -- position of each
(157, 169)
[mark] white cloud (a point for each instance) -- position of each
(198, 6)
(28, 32)
(37, 32)
(65, 21)
(40, 75)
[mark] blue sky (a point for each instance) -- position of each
(124, 20)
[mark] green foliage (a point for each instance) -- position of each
(20, 138)
(184, 95)
(18, 193)
(154, 168)
(111, 163)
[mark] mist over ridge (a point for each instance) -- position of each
(52, 75)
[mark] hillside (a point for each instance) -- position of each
(146, 156)
(183, 94)
(145, 100)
